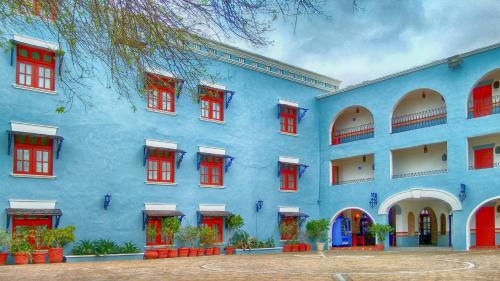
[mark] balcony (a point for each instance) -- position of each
(484, 98)
(419, 161)
(352, 124)
(483, 106)
(484, 152)
(419, 109)
(352, 170)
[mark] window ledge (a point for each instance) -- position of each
(161, 111)
(212, 186)
(288, 191)
(50, 92)
(160, 183)
(32, 176)
(212, 120)
(288, 134)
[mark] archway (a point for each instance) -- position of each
(352, 124)
(484, 98)
(349, 228)
(419, 108)
(482, 224)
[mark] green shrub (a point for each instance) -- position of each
(379, 231)
(317, 229)
(206, 236)
(84, 247)
(4, 239)
(59, 237)
(20, 244)
(103, 247)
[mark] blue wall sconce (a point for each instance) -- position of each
(107, 200)
(462, 195)
(258, 205)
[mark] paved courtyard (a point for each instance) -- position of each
(406, 265)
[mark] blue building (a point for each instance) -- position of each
(417, 149)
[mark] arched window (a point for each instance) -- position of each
(442, 226)
(484, 98)
(352, 124)
(411, 224)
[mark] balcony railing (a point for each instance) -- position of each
(420, 174)
(495, 165)
(483, 107)
(427, 118)
(354, 181)
(360, 132)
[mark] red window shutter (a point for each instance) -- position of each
(483, 158)
(482, 97)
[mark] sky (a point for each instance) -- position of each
(382, 36)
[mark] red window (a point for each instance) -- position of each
(154, 233)
(288, 176)
(32, 155)
(33, 226)
(43, 9)
(161, 93)
(483, 158)
(288, 119)
(35, 68)
(289, 222)
(211, 172)
(215, 223)
(161, 166)
(335, 175)
(212, 104)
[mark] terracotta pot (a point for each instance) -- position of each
(379, 247)
(38, 257)
(150, 254)
(287, 248)
(172, 253)
(162, 253)
(229, 251)
(183, 252)
(209, 251)
(193, 252)
(3, 258)
(216, 251)
(302, 247)
(21, 258)
(55, 255)
(201, 251)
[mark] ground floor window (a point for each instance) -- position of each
(155, 234)
(33, 226)
(215, 223)
(289, 228)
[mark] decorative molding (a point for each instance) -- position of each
(33, 89)
(161, 144)
(34, 42)
(417, 193)
(290, 160)
(212, 207)
(33, 128)
(32, 204)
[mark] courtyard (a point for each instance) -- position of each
(421, 264)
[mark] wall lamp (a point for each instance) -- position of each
(258, 205)
(107, 200)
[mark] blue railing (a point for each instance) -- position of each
(354, 181)
(483, 107)
(427, 118)
(353, 134)
(420, 174)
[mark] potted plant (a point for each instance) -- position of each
(199, 251)
(4, 244)
(302, 243)
(288, 232)
(316, 230)
(207, 239)
(39, 256)
(151, 253)
(190, 234)
(183, 238)
(170, 226)
(20, 248)
(56, 239)
(379, 231)
(233, 223)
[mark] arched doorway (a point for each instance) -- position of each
(482, 224)
(427, 227)
(349, 228)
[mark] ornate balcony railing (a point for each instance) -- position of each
(483, 107)
(495, 165)
(427, 118)
(364, 180)
(360, 132)
(420, 174)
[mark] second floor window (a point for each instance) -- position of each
(38, 8)
(35, 68)
(32, 155)
(211, 170)
(288, 177)
(161, 166)
(212, 102)
(161, 94)
(288, 120)
(483, 158)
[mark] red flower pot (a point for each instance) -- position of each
(302, 247)
(229, 251)
(38, 257)
(295, 247)
(193, 252)
(379, 247)
(150, 254)
(55, 255)
(201, 251)
(162, 253)
(308, 247)
(183, 252)
(287, 248)
(209, 251)
(172, 253)
(3, 258)
(21, 258)
(216, 251)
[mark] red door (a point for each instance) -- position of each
(483, 158)
(482, 100)
(485, 227)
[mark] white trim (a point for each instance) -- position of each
(332, 220)
(212, 120)
(34, 42)
(212, 207)
(161, 144)
(159, 207)
(286, 159)
(211, 186)
(288, 103)
(160, 72)
(473, 212)
(33, 128)
(287, 191)
(32, 204)
(288, 134)
(212, 85)
(32, 176)
(161, 111)
(418, 193)
(211, 150)
(33, 89)
(285, 209)
(160, 183)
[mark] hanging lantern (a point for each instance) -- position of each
(425, 149)
(357, 109)
(364, 158)
(423, 95)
